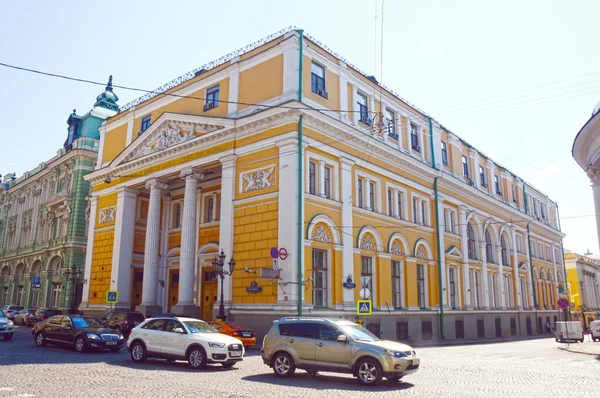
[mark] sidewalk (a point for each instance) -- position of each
(440, 343)
(588, 348)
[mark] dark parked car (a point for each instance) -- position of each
(123, 321)
(80, 332)
(41, 315)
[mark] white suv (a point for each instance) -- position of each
(189, 339)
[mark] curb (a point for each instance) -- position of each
(443, 343)
(578, 352)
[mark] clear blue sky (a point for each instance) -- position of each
(436, 54)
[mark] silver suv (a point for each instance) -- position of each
(318, 344)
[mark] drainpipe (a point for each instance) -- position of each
(437, 228)
(300, 189)
(526, 207)
(533, 285)
(564, 267)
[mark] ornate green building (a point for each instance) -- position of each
(43, 218)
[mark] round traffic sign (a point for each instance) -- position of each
(562, 303)
(365, 293)
(274, 252)
(283, 253)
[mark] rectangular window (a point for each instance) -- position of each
(390, 122)
(477, 289)
(452, 221)
(360, 194)
(519, 244)
(542, 211)
(372, 196)
(400, 201)
(446, 221)
(312, 178)
(208, 213)
(452, 288)
(212, 98)
(415, 214)
(366, 269)
(414, 138)
(535, 209)
(423, 213)
(465, 164)
(444, 153)
(421, 285)
(514, 193)
(317, 80)
(319, 265)
(390, 203)
(327, 181)
(177, 216)
(145, 124)
(497, 184)
(363, 109)
(524, 294)
(396, 284)
(482, 176)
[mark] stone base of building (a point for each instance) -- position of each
(190, 311)
(149, 309)
(417, 326)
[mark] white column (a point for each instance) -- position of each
(516, 278)
(130, 133)
(89, 254)
(442, 257)
(163, 273)
(228, 180)
(528, 277)
(367, 194)
(491, 171)
(123, 245)
(290, 50)
(151, 248)
(355, 115)
(343, 93)
(213, 216)
(475, 176)
(465, 258)
(503, 297)
(347, 239)
(322, 178)
(289, 194)
(554, 277)
(484, 276)
(187, 260)
(102, 130)
(594, 176)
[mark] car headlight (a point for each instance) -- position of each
(397, 354)
(216, 345)
(121, 337)
(11, 323)
(92, 336)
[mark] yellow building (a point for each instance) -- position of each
(583, 283)
(377, 190)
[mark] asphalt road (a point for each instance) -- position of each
(534, 368)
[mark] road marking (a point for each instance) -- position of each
(6, 389)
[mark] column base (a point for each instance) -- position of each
(152, 309)
(187, 310)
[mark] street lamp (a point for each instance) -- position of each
(218, 264)
(74, 275)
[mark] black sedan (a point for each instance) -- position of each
(80, 332)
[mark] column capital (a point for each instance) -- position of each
(228, 161)
(190, 173)
(594, 175)
(346, 163)
(155, 184)
(126, 191)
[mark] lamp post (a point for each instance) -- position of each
(218, 264)
(74, 275)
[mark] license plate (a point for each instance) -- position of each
(246, 334)
(415, 361)
(235, 354)
(111, 343)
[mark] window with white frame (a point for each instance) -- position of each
(396, 284)
(489, 250)
(415, 213)
(509, 290)
(390, 122)
(444, 153)
(452, 280)
(317, 80)
(372, 196)
(327, 182)
(400, 199)
(465, 164)
(452, 221)
(319, 266)
(492, 292)
(424, 213)
(414, 138)
(497, 185)
(519, 243)
(524, 294)
(482, 176)
(177, 212)
(471, 244)
(360, 193)
(363, 108)
(446, 221)
(312, 178)
(209, 205)
(390, 202)
(421, 285)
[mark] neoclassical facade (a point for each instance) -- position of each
(583, 279)
(348, 182)
(43, 218)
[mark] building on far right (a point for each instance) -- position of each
(583, 281)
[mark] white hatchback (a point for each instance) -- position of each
(190, 339)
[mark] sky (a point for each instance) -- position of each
(515, 79)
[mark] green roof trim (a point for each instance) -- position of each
(448, 250)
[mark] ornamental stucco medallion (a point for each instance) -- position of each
(421, 252)
(107, 215)
(320, 235)
(396, 248)
(367, 243)
(258, 179)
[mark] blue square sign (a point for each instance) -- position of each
(364, 307)
(112, 296)
(36, 282)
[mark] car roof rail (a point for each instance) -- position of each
(163, 315)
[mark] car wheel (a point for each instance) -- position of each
(80, 344)
(283, 364)
(138, 352)
(228, 365)
(369, 372)
(40, 340)
(8, 336)
(196, 358)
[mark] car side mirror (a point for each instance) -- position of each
(178, 330)
(342, 338)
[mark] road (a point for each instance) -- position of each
(534, 368)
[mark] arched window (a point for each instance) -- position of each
(489, 251)
(471, 242)
(504, 251)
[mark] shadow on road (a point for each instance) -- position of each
(322, 382)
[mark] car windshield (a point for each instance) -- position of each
(199, 327)
(235, 325)
(359, 333)
(2, 315)
(87, 323)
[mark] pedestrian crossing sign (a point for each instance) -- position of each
(112, 296)
(364, 307)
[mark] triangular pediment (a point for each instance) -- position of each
(453, 252)
(169, 131)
